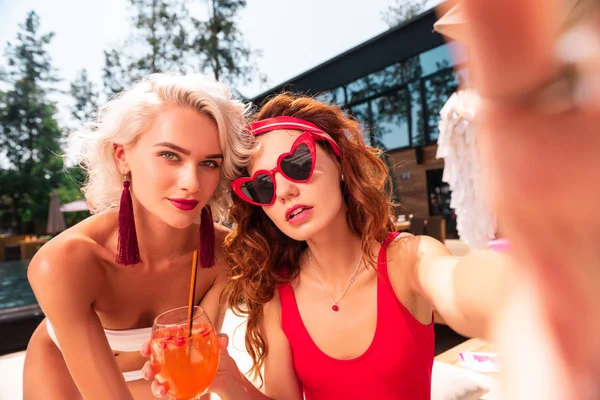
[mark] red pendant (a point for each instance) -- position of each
(335, 307)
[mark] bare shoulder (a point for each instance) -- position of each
(271, 317)
(404, 248)
(67, 262)
(430, 247)
(273, 307)
(408, 245)
(406, 255)
(61, 252)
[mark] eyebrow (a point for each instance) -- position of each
(184, 151)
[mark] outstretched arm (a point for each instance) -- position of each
(466, 291)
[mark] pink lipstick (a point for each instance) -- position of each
(298, 213)
(184, 204)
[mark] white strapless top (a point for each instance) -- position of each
(126, 340)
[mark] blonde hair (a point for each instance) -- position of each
(132, 112)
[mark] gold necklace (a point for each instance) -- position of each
(335, 306)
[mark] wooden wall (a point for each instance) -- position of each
(410, 179)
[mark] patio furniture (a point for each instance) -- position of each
(452, 380)
(417, 225)
(402, 226)
(436, 228)
(30, 247)
(10, 242)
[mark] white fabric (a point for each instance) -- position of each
(449, 382)
(77, 205)
(457, 145)
(11, 366)
(127, 340)
(132, 375)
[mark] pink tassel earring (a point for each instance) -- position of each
(128, 252)
(207, 238)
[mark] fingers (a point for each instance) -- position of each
(159, 389)
(146, 350)
(223, 341)
(150, 370)
(511, 43)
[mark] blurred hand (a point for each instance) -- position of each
(228, 384)
(544, 171)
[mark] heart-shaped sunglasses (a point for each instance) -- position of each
(297, 166)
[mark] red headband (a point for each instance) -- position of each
(271, 124)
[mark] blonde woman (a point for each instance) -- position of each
(159, 158)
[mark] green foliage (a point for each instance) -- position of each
(157, 43)
(403, 10)
(218, 39)
(29, 133)
(85, 95)
(167, 37)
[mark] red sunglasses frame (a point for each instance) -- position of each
(306, 138)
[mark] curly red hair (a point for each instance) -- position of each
(256, 249)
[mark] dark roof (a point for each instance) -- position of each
(396, 44)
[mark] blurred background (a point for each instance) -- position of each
(380, 60)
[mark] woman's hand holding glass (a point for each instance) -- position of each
(228, 383)
(185, 351)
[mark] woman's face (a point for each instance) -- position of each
(300, 210)
(175, 165)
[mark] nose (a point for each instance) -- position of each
(189, 179)
(286, 189)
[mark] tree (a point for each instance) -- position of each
(167, 37)
(403, 10)
(29, 132)
(218, 39)
(84, 109)
(157, 43)
(70, 190)
(405, 104)
(85, 95)
(114, 74)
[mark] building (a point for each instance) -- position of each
(395, 84)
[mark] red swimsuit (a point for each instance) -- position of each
(397, 365)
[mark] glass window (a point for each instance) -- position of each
(339, 96)
(362, 113)
(325, 97)
(391, 116)
(386, 78)
(416, 113)
(435, 60)
(411, 69)
(358, 90)
(437, 91)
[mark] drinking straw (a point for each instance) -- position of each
(192, 291)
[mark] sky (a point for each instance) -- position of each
(293, 35)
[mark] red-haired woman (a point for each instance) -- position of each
(338, 306)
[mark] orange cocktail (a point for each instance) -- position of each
(188, 363)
